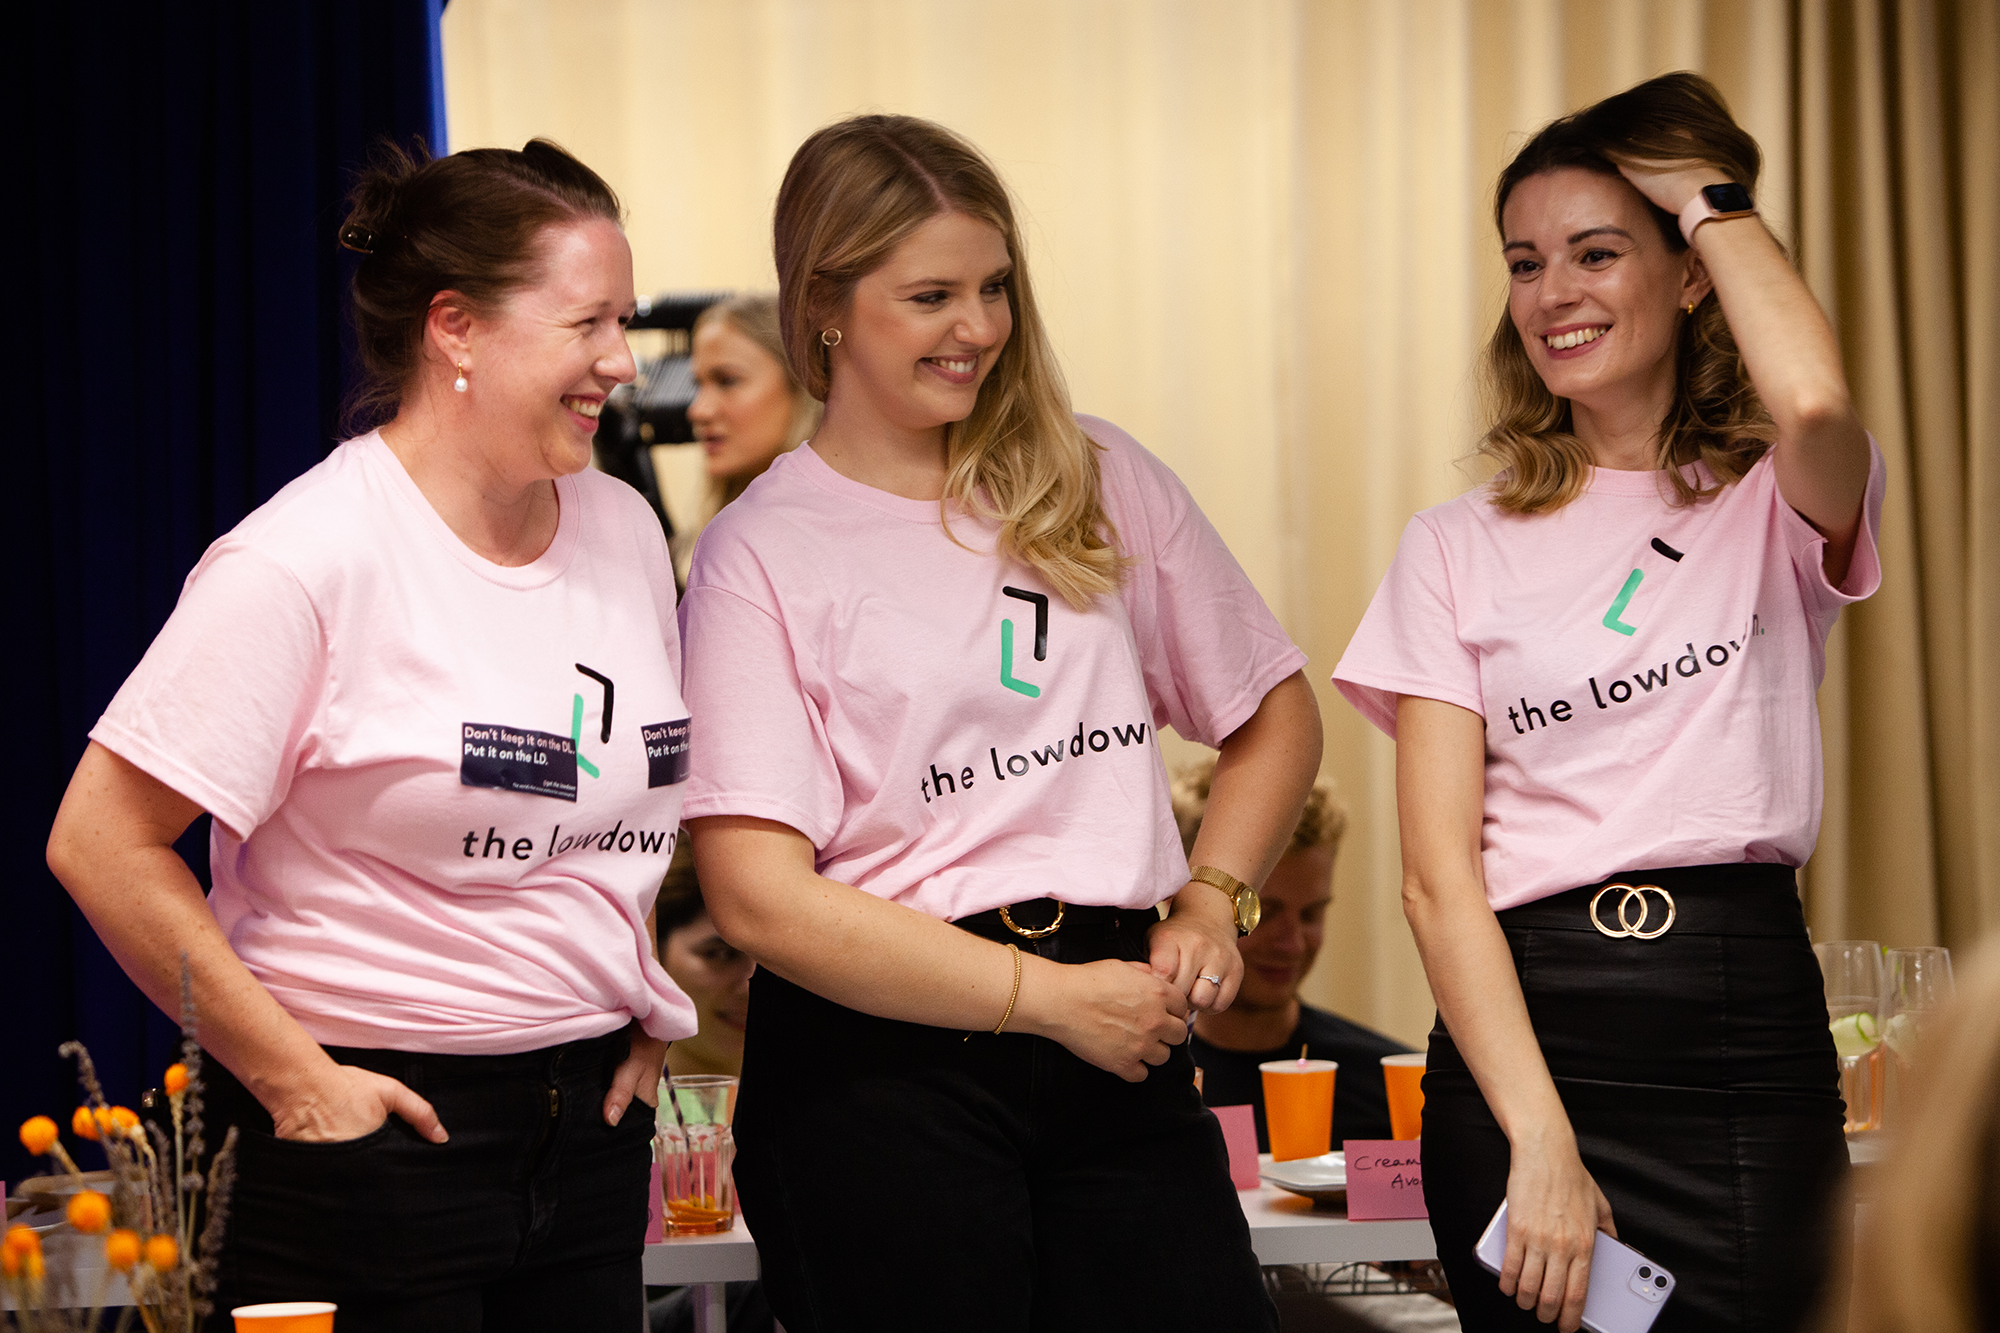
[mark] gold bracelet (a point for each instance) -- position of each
(1014, 949)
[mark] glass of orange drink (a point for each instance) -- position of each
(696, 1150)
(1404, 1077)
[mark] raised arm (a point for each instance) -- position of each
(1553, 1206)
(882, 958)
(1792, 356)
(113, 849)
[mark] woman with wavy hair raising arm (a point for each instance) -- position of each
(1599, 669)
(931, 648)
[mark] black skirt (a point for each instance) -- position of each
(1698, 1072)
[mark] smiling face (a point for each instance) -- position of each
(1594, 291)
(540, 367)
(922, 331)
(742, 408)
(716, 976)
(1278, 954)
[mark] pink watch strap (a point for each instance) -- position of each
(1699, 210)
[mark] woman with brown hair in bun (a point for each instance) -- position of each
(429, 693)
(1599, 670)
(930, 648)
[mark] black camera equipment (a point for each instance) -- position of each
(653, 409)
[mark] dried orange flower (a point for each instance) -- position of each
(162, 1252)
(126, 1119)
(21, 1252)
(121, 1250)
(177, 1080)
(89, 1212)
(38, 1134)
(84, 1123)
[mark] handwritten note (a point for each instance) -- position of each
(1239, 1133)
(1385, 1179)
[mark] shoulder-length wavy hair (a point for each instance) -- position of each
(854, 191)
(1716, 416)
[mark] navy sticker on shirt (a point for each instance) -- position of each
(540, 763)
(666, 752)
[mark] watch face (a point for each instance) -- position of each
(1729, 198)
(1249, 911)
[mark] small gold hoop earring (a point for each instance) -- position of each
(1690, 307)
(829, 337)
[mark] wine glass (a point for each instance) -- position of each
(1852, 970)
(1918, 985)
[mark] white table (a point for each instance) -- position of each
(1284, 1229)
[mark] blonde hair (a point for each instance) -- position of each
(1715, 415)
(852, 193)
(1932, 1227)
(755, 316)
(1322, 823)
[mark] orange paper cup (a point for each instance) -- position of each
(1298, 1107)
(285, 1317)
(1404, 1075)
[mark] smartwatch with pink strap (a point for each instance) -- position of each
(1728, 200)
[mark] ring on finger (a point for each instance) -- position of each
(1210, 977)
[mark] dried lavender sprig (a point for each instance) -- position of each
(191, 1057)
(163, 1196)
(86, 1071)
(221, 1185)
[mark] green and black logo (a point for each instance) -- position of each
(1041, 605)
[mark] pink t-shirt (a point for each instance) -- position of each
(444, 790)
(1646, 673)
(949, 732)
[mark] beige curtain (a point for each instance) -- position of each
(1259, 229)
(1897, 170)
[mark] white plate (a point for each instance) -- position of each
(1322, 1179)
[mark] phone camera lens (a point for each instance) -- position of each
(1645, 1272)
(1660, 1282)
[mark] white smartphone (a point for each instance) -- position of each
(1627, 1290)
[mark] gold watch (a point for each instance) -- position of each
(1244, 898)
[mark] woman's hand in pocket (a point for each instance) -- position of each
(352, 1103)
(638, 1076)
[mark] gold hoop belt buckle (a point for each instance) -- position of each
(1629, 929)
(1027, 934)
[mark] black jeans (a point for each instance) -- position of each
(533, 1216)
(1698, 1073)
(899, 1176)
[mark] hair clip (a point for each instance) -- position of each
(357, 238)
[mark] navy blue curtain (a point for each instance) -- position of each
(179, 355)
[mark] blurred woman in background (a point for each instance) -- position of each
(748, 406)
(714, 973)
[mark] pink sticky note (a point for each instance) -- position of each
(656, 1218)
(1385, 1179)
(1239, 1132)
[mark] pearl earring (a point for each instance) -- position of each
(459, 383)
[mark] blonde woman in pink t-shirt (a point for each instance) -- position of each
(931, 649)
(1599, 670)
